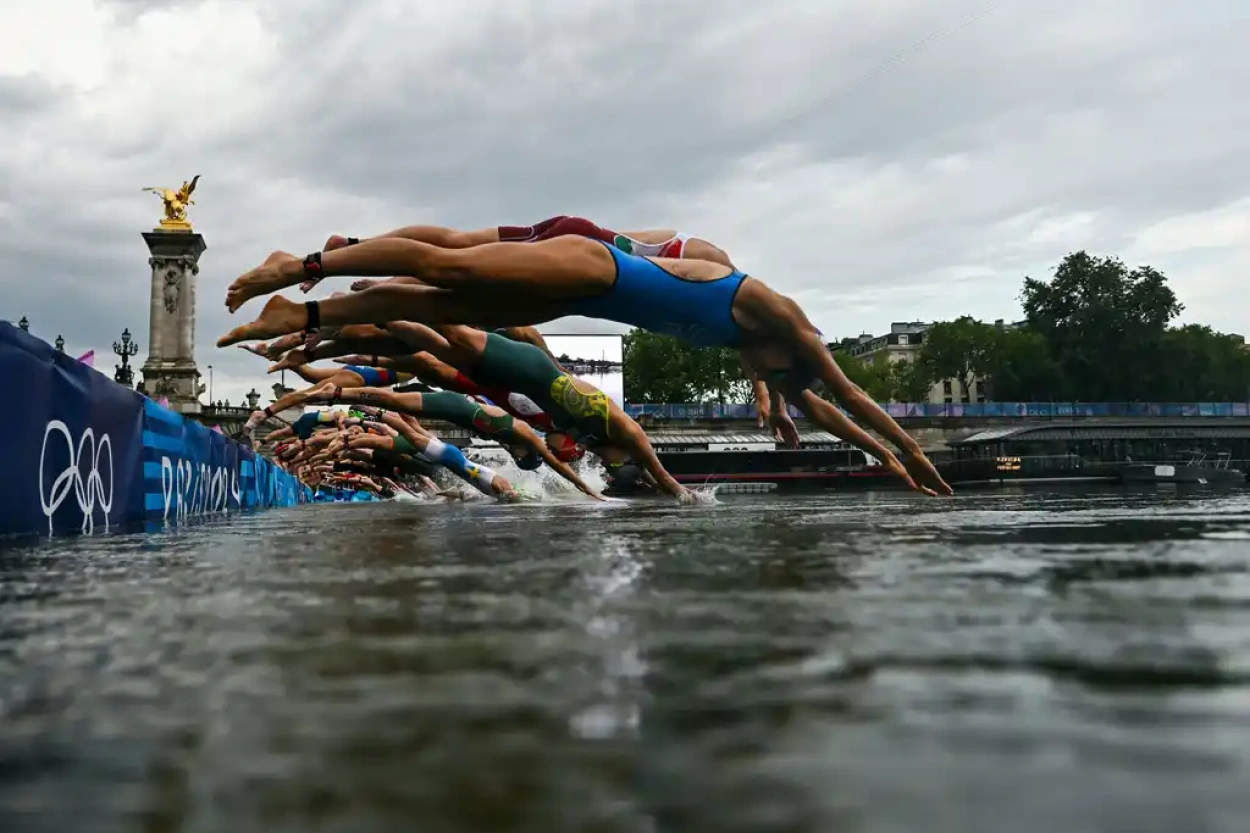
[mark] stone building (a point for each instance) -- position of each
(903, 344)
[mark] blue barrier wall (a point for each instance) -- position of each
(974, 410)
(82, 453)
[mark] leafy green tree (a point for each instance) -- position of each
(910, 382)
(1201, 366)
(962, 350)
(1098, 319)
(655, 369)
(1021, 369)
(875, 375)
(661, 368)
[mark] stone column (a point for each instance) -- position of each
(156, 348)
(170, 369)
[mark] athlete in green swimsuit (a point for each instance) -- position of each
(578, 409)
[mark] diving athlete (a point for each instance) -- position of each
(487, 421)
(520, 284)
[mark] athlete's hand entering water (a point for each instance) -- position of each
(900, 471)
(926, 474)
(784, 429)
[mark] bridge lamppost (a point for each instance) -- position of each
(125, 348)
(59, 344)
(210, 384)
(24, 325)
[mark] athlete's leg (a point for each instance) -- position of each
(386, 303)
(563, 268)
(434, 235)
(410, 403)
(312, 375)
(530, 335)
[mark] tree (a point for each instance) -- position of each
(884, 380)
(1202, 366)
(660, 368)
(1021, 369)
(1097, 318)
(911, 382)
(962, 349)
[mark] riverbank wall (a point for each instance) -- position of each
(81, 453)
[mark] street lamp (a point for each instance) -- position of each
(59, 344)
(125, 348)
(210, 384)
(24, 325)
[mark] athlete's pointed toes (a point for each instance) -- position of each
(235, 336)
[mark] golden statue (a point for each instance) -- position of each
(176, 203)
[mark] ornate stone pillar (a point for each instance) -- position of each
(170, 369)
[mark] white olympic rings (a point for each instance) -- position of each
(88, 489)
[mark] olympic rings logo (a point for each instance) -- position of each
(89, 489)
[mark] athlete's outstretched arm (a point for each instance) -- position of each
(837, 423)
(779, 419)
(540, 445)
(760, 391)
(814, 353)
(639, 447)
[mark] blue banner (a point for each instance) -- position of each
(84, 454)
(71, 441)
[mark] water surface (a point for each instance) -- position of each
(1028, 661)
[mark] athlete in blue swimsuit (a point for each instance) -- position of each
(521, 284)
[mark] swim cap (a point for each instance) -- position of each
(529, 462)
(565, 447)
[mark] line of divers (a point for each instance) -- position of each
(449, 315)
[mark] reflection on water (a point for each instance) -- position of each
(613, 384)
(1073, 661)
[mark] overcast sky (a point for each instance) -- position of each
(870, 187)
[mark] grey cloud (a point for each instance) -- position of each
(648, 114)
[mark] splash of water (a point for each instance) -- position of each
(703, 496)
(541, 484)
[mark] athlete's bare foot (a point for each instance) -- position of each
(268, 277)
(363, 284)
(294, 358)
(260, 349)
(279, 317)
(325, 392)
(312, 341)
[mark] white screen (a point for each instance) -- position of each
(607, 351)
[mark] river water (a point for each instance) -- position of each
(1001, 661)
